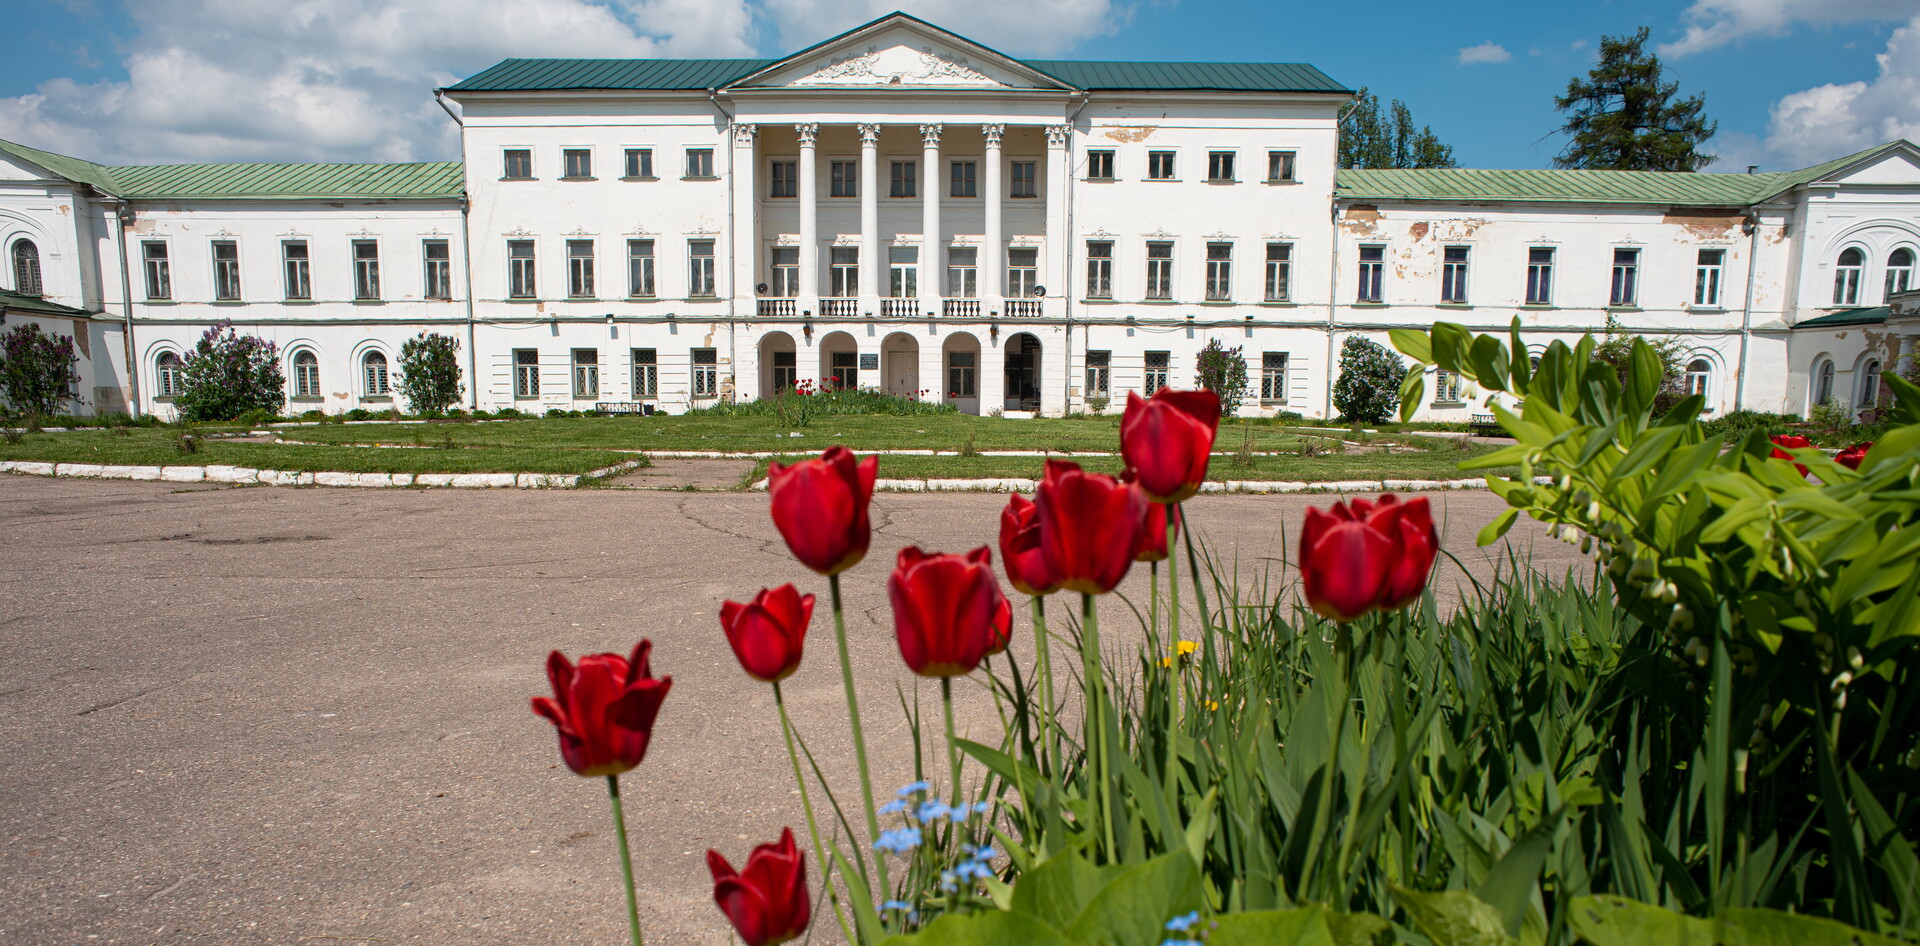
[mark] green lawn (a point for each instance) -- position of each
(1372, 465)
(156, 447)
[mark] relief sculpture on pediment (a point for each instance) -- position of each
(898, 65)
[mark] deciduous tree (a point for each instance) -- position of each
(1371, 137)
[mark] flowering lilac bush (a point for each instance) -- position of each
(36, 370)
(228, 374)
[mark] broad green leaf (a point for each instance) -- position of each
(1489, 361)
(1450, 346)
(1510, 886)
(1492, 531)
(992, 928)
(1413, 390)
(1454, 918)
(1643, 376)
(1413, 343)
(1906, 399)
(1652, 446)
(1521, 368)
(1618, 921)
(1774, 928)
(859, 898)
(1306, 926)
(1132, 909)
(1055, 892)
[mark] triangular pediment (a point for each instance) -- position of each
(1893, 166)
(899, 51)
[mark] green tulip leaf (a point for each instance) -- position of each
(1509, 887)
(1492, 531)
(1133, 908)
(1454, 918)
(992, 928)
(1058, 890)
(1304, 926)
(1618, 921)
(1413, 343)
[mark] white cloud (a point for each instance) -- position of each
(1827, 121)
(1486, 52)
(1015, 27)
(1712, 23)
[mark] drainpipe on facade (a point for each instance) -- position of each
(1333, 295)
(1066, 277)
(466, 262)
(733, 261)
(1746, 313)
(120, 224)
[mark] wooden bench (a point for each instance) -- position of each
(623, 407)
(1486, 425)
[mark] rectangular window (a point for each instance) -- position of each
(960, 374)
(1280, 167)
(153, 254)
(520, 282)
(786, 370)
(1159, 270)
(1706, 279)
(1099, 269)
(786, 179)
(1219, 272)
(526, 372)
(578, 163)
(293, 257)
(1023, 178)
(699, 267)
(844, 271)
(518, 164)
(1453, 275)
(1099, 165)
(646, 373)
(1279, 272)
(1219, 166)
(963, 272)
(1373, 269)
(845, 178)
(1159, 364)
(640, 269)
(1273, 377)
(903, 269)
(786, 272)
(1160, 165)
(1540, 275)
(1023, 271)
(366, 270)
(904, 184)
(586, 372)
(699, 162)
(706, 372)
(1446, 387)
(226, 271)
(1099, 374)
(844, 372)
(1626, 278)
(580, 269)
(639, 162)
(438, 262)
(962, 174)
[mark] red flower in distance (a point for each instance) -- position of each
(603, 709)
(820, 507)
(1001, 628)
(1167, 439)
(1020, 552)
(1153, 530)
(1790, 442)
(1851, 457)
(767, 633)
(767, 900)
(944, 610)
(1361, 556)
(1089, 526)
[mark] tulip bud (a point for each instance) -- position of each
(1841, 681)
(1855, 659)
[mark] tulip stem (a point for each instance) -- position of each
(953, 745)
(806, 804)
(626, 858)
(859, 737)
(1096, 723)
(1044, 653)
(1176, 676)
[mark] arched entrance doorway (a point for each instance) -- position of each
(839, 361)
(779, 364)
(1022, 353)
(900, 365)
(961, 358)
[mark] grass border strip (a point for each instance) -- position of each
(248, 476)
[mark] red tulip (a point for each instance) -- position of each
(767, 634)
(767, 901)
(1167, 439)
(820, 506)
(1001, 628)
(1364, 555)
(1791, 442)
(1153, 530)
(1089, 526)
(1020, 552)
(1851, 457)
(944, 609)
(604, 709)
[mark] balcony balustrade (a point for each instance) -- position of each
(840, 307)
(1023, 308)
(899, 308)
(778, 307)
(960, 308)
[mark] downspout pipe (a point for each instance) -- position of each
(121, 221)
(1066, 278)
(1333, 300)
(466, 265)
(733, 255)
(1746, 312)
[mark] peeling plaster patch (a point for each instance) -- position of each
(1361, 220)
(1705, 224)
(1419, 230)
(1130, 134)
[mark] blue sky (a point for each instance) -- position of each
(1790, 81)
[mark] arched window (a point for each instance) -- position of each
(1869, 396)
(1699, 372)
(374, 368)
(26, 268)
(1822, 381)
(306, 374)
(1899, 271)
(1846, 276)
(167, 374)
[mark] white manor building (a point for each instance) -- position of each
(901, 208)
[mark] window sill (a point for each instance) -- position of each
(700, 177)
(649, 297)
(1448, 404)
(1281, 182)
(1623, 307)
(369, 302)
(1453, 305)
(1280, 303)
(1101, 300)
(298, 301)
(583, 298)
(1022, 197)
(586, 397)
(579, 178)
(703, 298)
(1710, 309)
(306, 398)
(1158, 302)
(1163, 180)
(162, 302)
(506, 179)
(1222, 180)
(1368, 304)
(376, 399)
(1218, 302)
(227, 302)
(644, 178)
(1266, 403)
(1100, 180)
(1538, 306)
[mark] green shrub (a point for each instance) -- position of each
(1223, 371)
(1369, 384)
(430, 372)
(797, 407)
(360, 413)
(228, 374)
(37, 373)
(505, 412)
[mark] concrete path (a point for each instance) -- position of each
(249, 715)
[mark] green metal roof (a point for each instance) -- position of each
(1874, 315)
(73, 169)
(1095, 76)
(18, 302)
(434, 179)
(699, 75)
(1571, 186)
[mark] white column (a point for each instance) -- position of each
(746, 220)
(993, 275)
(933, 257)
(871, 266)
(1054, 274)
(809, 199)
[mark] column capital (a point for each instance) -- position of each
(743, 133)
(1057, 135)
(930, 134)
(808, 132)
(993, 132)
(869, 133)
